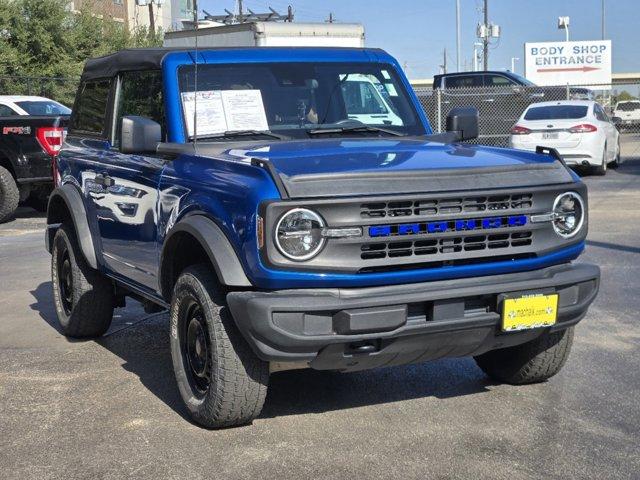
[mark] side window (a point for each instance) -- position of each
(463, 81)
(90, 111)
(140, 95)
(497, 81)
(6, 111)
(600, 115)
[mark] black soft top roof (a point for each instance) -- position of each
(129, 59)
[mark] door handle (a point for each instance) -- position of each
(489, 100)
(104, 180)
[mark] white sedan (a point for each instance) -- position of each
(578, 129)
(11, 105)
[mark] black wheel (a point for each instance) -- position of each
(9, 195)
(220, 379)
(601, 170)
(83, 297)
(38, 200)
(617, 161)
(531, 362)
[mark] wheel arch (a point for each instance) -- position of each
(66, 205)
(197, 239)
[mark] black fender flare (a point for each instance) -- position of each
(70, 196)
(217, 246)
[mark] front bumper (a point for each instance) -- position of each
(359, 328)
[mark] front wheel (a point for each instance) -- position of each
(221, 381)
(9, 195)
(531, 362)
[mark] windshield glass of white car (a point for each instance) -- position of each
(557, 112)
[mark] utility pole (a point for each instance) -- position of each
(485, 39)
(152, 21)
(330, 19)
(458, 35)
(444, 61)
(487, 31)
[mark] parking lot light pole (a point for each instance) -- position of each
(563, 24)
(513, 63)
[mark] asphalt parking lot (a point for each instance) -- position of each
(110, 408)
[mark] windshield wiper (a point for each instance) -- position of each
(244, 133)
(359, 128)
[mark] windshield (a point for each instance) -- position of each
(297, 99)
(43, 107)
(557, 112)
(628, 106)
(522, 80)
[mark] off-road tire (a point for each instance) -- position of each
(601, 170)
(238, 379)
(84, 305)
(9, 195)
(531, 362)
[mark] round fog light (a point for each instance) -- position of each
(568, 214)
(299, 234)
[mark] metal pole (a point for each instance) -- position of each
(566, 31)
(603, 20)
(439, 108)
(458, 35)
(485, 40)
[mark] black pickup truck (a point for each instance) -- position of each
(27, 145)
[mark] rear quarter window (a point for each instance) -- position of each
(90, 109)
(557, 112)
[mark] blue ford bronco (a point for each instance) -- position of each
(292, 208)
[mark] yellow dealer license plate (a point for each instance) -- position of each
(529, 311)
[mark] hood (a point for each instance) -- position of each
(347, 167)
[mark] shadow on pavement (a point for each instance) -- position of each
(142, 342)
(613, 246)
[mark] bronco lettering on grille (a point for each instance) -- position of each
(448, 226)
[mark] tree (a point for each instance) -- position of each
(43, 38)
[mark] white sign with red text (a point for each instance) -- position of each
(573, 63)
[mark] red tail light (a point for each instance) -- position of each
(520, 130)
(50, 139)
(583, 128)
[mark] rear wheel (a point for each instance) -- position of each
(9, 195)
(616, 162)
(83, 297)
(602, 168)
(221, 381)
(531, 362)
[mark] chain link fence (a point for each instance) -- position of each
(60, 89)
(501, 107)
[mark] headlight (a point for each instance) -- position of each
(299, 234)
(568, 214)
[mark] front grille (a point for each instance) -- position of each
(464, 243)
(447, 206)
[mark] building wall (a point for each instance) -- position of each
(115, 9)
(139, 14)
(180, 10)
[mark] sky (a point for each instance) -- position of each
(417, 31)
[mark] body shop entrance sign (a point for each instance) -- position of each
(573, 63)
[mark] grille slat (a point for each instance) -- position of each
(471, 243)
(446, 206)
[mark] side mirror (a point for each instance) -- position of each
(464, 122)
(616, 120)
(139, 135)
